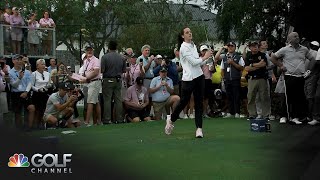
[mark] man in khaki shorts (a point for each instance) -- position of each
(162, 91)
(59, 109)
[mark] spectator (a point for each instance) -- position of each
(162, 91)
(59, 109)
(47, 22)
(256, 63)
(16, 21)
(135, 70)
(193, 81)
(136, 101)
(311, 88)
(207, 69)
(33, 36)
(6, 36)
(53, 65)
(176, 60)
(21, 82)
(112, 66)
(148, 65)
(231, 67)
(92, 77)
(3, 81)
(293, 66)
(41, 84)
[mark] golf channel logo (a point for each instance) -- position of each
(42, 164)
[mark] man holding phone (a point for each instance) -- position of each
(20, 81)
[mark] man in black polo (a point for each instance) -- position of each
(112, 66)
(256, 63)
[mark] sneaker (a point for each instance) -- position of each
(283, 120)
(272, 117)
(237, 115)
(228, 116)
(199, 133)
(169, 125)
(242, 116)
(296, 121)
(313, 122)
(206, 116)
(191, 116)
(185, 116)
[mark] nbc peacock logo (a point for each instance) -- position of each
(18, 160)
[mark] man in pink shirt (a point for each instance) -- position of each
(92, 70)
(136, 101)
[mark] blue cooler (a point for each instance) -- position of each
(259, 125)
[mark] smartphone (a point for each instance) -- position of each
(23, 68)
(177, 63)
(141, 60)
(128, 65)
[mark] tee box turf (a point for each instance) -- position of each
(259, 125)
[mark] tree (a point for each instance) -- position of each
(253, 19)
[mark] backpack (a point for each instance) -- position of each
(216, 76)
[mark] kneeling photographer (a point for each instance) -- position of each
(59, 109)
(172, 72)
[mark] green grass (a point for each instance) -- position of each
(229, 150)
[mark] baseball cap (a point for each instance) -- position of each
(163, 69)
(133, 55)
(88, 47)
(218, 93)
(315, 43)
(66, 86)
(253, 43)
(204, 47)
(231, 43)
(139, 80)
(159, 56)
(15, 56)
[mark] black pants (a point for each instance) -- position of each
(233, 89)
(196, 86)
(316, 104)
(296, 98)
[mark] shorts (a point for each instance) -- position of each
(39, 100)
(16, 36)
(46, 116)
(93, 92)
(159, 106)
(18, 103)
(138, 113)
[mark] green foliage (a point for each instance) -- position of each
(252, 19)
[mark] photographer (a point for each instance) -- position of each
(80, 95)
(136, 102)
(232, 65)
(59, 109)
(161, 89)
(172, 72)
